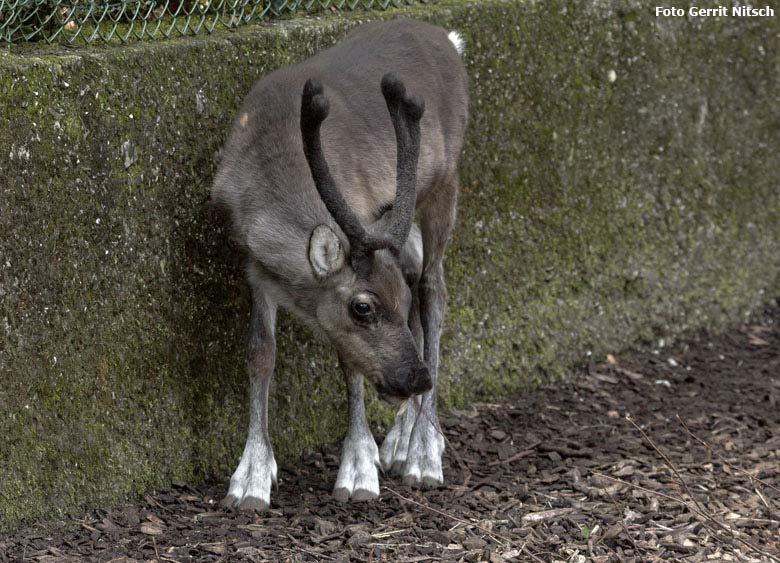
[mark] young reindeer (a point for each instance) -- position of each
(324, 209)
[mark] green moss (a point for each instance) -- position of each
(594, 214)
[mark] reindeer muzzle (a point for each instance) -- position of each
(415, 382)
(420, 381)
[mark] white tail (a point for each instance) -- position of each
(457, 40)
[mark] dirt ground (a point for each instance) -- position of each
(671, 454)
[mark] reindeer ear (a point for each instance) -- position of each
(326, 254)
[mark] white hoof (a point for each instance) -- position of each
(396, 445)
(250, 485)
(358, 478)
(423, 459)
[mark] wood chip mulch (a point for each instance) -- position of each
(656, 455)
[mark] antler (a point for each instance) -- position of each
(405, 112)
(314, 110)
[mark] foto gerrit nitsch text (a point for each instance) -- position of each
(720, 11)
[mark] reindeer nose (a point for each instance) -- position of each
(419, 381)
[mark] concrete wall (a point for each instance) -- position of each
(620, 184)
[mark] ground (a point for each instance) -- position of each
(656, 454)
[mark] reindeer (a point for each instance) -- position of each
(324, 209)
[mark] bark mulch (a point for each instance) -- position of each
(668, 454)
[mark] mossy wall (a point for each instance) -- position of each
(621, 183)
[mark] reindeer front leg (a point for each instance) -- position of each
(250, 485)
(417, 446)
(426, 441)
(358, 477)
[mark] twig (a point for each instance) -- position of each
(762, 499)
(151, 500)
(723, 460)
(517, 456)
(156, 553)
(530, 553)
(88, 527)
(465, 522)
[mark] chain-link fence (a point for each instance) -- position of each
(88, 21)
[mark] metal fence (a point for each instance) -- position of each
(88, 21)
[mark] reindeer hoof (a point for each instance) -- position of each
(253, 504)
(358, 478)
(247, 504)
(427, 482)
(229, 502)
(362, 495)
(342, 494)
(398, 467)
(423, 466)
(250, 485)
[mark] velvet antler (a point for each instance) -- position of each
(405, 112)
(314, 110)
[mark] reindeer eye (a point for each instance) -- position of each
(361, 309)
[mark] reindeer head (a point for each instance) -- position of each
(365, 306)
